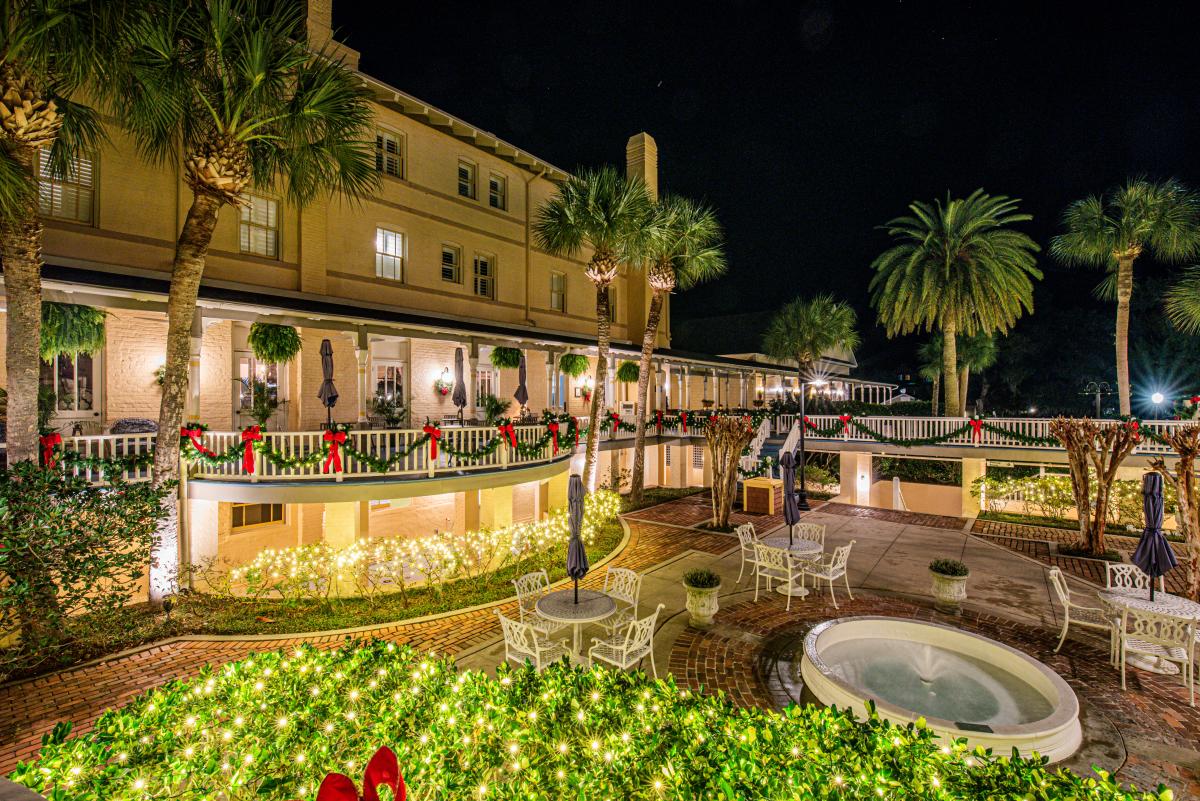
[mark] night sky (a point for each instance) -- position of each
(806, 127)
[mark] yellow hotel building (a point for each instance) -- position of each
(440, 259)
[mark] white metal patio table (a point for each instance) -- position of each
(560, 607)
(1164, 603)
(804, 549)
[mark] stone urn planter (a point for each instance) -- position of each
(949, 578)
(702, 587)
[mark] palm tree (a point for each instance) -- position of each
(1113, 230)
(976, 352)
(50, 50)
(805, 330)
(230, 86)
(1183, 302)
(688, 251)
(930, 355)
(613, 217)
(957, 268)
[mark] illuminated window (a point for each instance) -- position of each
(485, 276)
(73, 381)
(389, 153)
(389, 254)
(558, 291)
(697, 457)
(255, 376)
(498, 192)
(246, 515)
(69, 197)
(466, 179)
(485, 383)
(260, 226)
(389, 380)
(452, 264)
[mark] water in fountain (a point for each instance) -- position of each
(935, 682)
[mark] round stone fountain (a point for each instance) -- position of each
(964, 685)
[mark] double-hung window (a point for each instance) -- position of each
(66, 197)
(466, 179)
(498, 192)
(389, 254)
(558, 291)
(260, 226)
(485, 276)
(452, 264)
(389, 153)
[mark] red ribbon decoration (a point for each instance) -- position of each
(383, 769)
(976, 428)
(335, 440)
(1194, 399)
(508, 432)
(554, 435)
(435, 434)
(194, 435)
(845, 418)
(683, 420)
(575, 421)
(249, 436)
(1133, 426)
(616, 421)
(809, 423)
(658, 420)
(49, 443)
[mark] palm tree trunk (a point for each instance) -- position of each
(602, 336)
(937, 387)
(1124, 292)
(649, 337)
(964, 380)
(186, 272)
(21, 253)
(950, 367)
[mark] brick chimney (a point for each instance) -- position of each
(319, 23)
(641, 161)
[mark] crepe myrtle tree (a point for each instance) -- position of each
(1094, 452)
(232, 91)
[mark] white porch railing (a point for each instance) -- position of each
(750, 460)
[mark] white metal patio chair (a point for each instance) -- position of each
(833, 570)
(531, 587)
(746, 541)
(775, 564)
(1091, 617)
(810, 532)
(623, 586)
(631, 645)
(1166, 637)
(523, 642)
(1124, 576)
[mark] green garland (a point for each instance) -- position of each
(837, 428)
(764, 464)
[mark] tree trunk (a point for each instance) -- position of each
(186, 272)
(727, 437)
(649, 337)
(937, 387)
(964, 379)
(21, 252)
(602, 336)
(950, 367)
(1124, 292)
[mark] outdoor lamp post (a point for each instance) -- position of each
(802, 495)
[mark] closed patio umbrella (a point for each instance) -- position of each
(577, 560)
(1153, 554)
(791, 508)
(522, 393)
(459, 397)
(328, 392)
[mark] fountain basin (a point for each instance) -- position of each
(963, 684)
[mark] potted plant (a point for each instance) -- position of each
(702, 586)
(949, 584)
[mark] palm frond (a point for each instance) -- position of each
(1183, 302)
(16, 188)
(688, 237)
(807, 329)
(598, 209)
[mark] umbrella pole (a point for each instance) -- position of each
(576, 590)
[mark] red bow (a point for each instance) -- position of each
(976, 428)
(249, 436)
(49, 443)
(1133, 426)
(616, 421)
(335, 440)
(508, 432)
(683, 420)
(193, 434)
(845, 418)
(575, 422)
(435, 434)
(1194, 399)
(383, 769)
(658, 420)
(809, 423)
(554, 435)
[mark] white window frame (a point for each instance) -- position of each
(71, 197)
(558, 295)
(472, 183)
(448, 247)
(248, 225)
(390, 247)
(232, 515)
(242, 402)
(395, 163)
(397, 380)
(485, 382)
(488, 281)
(97, 388)
(498, 197)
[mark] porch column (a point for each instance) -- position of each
(557, 490)
(496, 507)
(195, 340)
(202, 531)
(610, 382)
(971, 470)
(706, 470)
(466, 511)
(679, 466)
(345, 522)
(362, 353)
(664, 385)
(687, 387)
(471, 379)
(551, 384)
(855, 475)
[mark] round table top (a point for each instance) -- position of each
(798, 546)
(1164, 603)
(560, 606)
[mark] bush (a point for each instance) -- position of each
(1052, 496)
(392, 410)
(69, 548)
(701, 579)
(271, 726)
(920, 471)
(493, 409)
(949, 567)
(820, 405)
